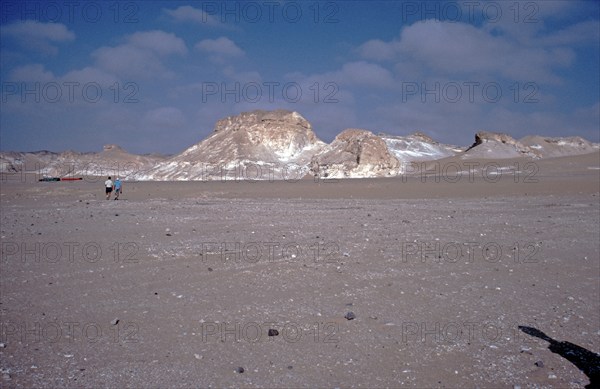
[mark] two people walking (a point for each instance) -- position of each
(111, 186)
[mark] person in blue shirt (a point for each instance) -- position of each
(118, 187)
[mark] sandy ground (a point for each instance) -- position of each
(178, 284)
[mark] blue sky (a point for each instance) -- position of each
(155, 76)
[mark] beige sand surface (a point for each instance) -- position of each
(438, 274)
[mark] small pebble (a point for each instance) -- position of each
(239, 370)
(273, 332)
(114, 322)
(350, 316)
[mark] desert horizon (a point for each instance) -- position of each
(281, 145)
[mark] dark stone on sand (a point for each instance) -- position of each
(350, 316)
(273, 332)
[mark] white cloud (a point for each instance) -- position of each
(366, 74)
(577, 34)
(89, 75)
(359, 73)
(519, 19)
(55, 32)
(378, 50)
(37, 36)
(191, 14)
(459, 49)
(219, 49)
(128, 61)
(75, 89)
(141, 55)
(31, 73)
(161, 42)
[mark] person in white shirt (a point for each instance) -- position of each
(108, 184)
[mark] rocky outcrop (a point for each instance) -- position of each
(280, 145)
(417, 147)
(277, 136)
(112, 148)
(355, 153)
(545, 147)
(485, 136)
(111, 161)
(261, 145)
(498, 146)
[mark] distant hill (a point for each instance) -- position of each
(277, 145)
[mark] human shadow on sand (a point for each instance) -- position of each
(585, 360)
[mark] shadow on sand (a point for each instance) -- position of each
(585, 360)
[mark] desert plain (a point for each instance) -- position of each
(415, 281)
